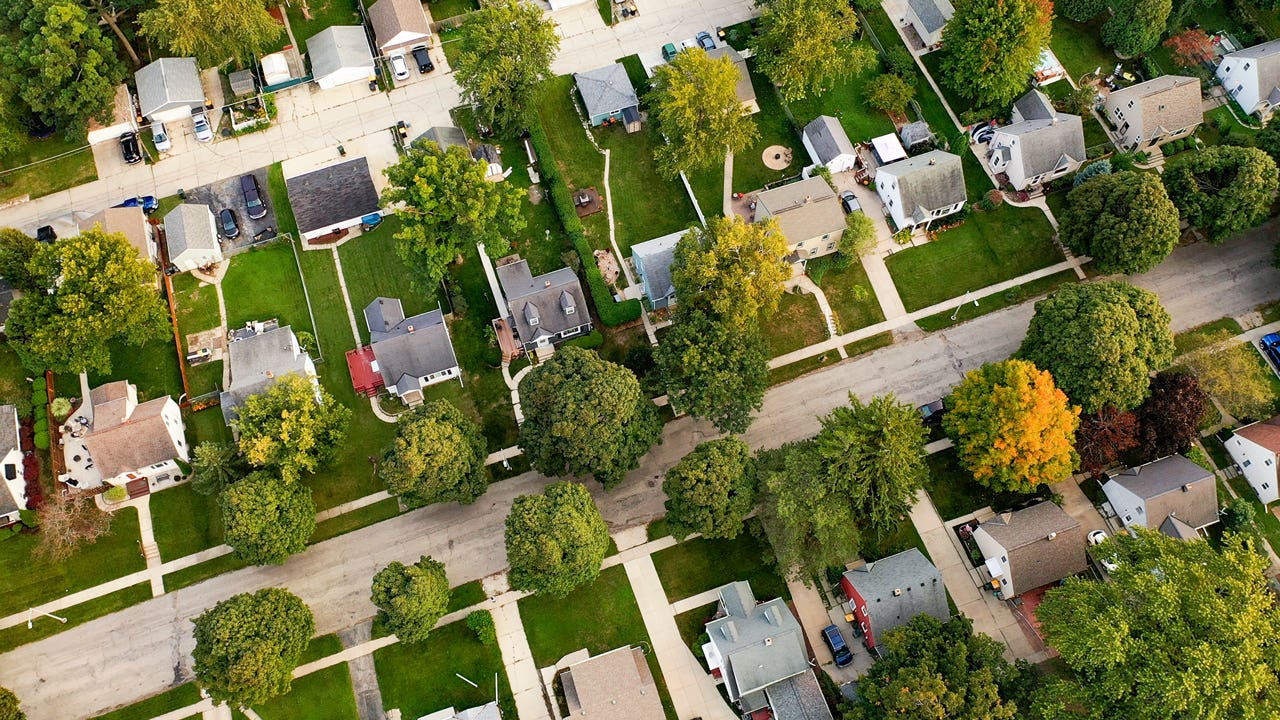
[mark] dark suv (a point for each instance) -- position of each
(423, 57)
(130, 148)
(253, 197)
(839, 649)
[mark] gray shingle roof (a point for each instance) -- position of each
(259, 360)
(918, 584)
(828, 138)
(760, 644)
(1035, 105)
(541, 297)
(915, 133)
(338, 47)
(167, 83)
(745, 91)
(1047, 143)
(411, 348)
(8, 429)
(605, 90)
(656, 256)
(1161, 484)
(927, 182)
(1034, 559)
(798, 698)
(445, 136)
(1266, 57)
(398, 22)
(322, 198)
(190, 227)
(934, 14)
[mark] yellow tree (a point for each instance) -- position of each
(733, 268)
(1013, 428)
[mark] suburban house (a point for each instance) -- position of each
(446, 136)
(169, 89)
(14, 498)
(1254, 448)
(1252, 77)
(929, 17)
(652, 260)
(544, 310)
(829, 145)
(1040, 143)
(404, 355)
(888, 593)
(397, 24)
(488, 711)
(922, 189)
(130, 222)
(759, 650)
(340, 55)
(191, 236)
(260, 353)
(332, 199)
(1172, 495)
(809, 215)
(745, 91)
(617, 685)
(1030, 548)
(608, 96)
(1154, 112)
(132, 444)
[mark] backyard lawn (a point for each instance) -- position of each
(646, 204)
(846, 101)
(324, 13)
(774, 128)
(18, 176)
(797, 323)
(372, 269)
(578, 160)
(197, 304)
(419, 679)
(708, 187)
(444, 9)
(1079, 47)
(152, 366)
(954, 491)
(851, 297)
(322, 695)
(931, 106)
(698, 565)
(205, 426)
(263, 283)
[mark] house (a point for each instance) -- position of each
(191, 236)
(1172, 495)
(13, 500)
(1030, 548)
(488, 711)
(888, 593)
(615, 685)
(130, 222)
(404, 355)
(340, 55)
(652, 260)
(828, 145)
(759, 650)
(259, 354)
(1252, 77)
(1152, 113)
(1254, 448)
(169, 89)
(446, 136)
(1040, 143)
(397, 24)
(123, 119)
(809, 215)
(922, 189)
(545, 310)
(608, 96)
(330, 200)
(131, 443)
(929, 17)
(745, 91)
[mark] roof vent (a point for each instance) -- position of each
(808, 199)
(546, 283)
(897, 592)
(270, 374)
(768, 641)
(1053, 536)
(933, 161)
(1186, 488)
(410, 329)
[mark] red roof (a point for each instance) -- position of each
(364, 378)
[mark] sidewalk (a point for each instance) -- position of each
(522, 672)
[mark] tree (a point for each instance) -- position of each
(411, 599)
(1079, 101)
(213, 31)
(1191, 47)
(447, 206)
(9, 709)
(1234, 374)
(248, 645)
(695, 105)
(804, 46)
(1079, 10)
(437, 455)
(991, 47)
(810, 521)
(505, 53)
(1090, 171)
(67, 522)
(293, 426)
(1224, 189)
(1101, 342)
(16, 251)
(712, 369)
(1268, 140)
(102, 293)
(1124, 220)
(1169, 419)
(1136, 25)
(733, 268)
(890, 93)
(267, 518)
(711, 490)
(1239, 517)
(1103, 436)
(214, 466)
(556, 540)
(859, 238)
(1012, 427)
(585, 416)
(1180, 631)
(13, 131)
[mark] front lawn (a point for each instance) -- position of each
(421, 678)
(774, 128)
(74, 166)
(1203, 335)
(851, 297)
(600, 617)
(263, 283)
(1013, 296)
(846, 101)
(322, 695)
(185, 522)
(798, 323)
(698, 565)
(324, 13)
(1079, 47)
(168, 701)
(954, 491)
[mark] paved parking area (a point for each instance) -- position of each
(226, 194)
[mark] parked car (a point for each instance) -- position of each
(204, 133)
(669, 51)
(1097, 537)
(422, 56)
(160, 137)
(849, 202)
(399, 68)
(1271, 348)
(228, 223)
(130, 149)
(706, 41)
(148, 203)
(253, 202)
(839, 649)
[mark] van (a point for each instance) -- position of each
(839, 649)
(253, 203)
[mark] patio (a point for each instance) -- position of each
(81, 472)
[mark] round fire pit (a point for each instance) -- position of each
(776, 157)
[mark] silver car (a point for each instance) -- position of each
(399, 68)
(160, 137)
(204, 133)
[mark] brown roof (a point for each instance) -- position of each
(1265, 433)
(110, 404)
(128, 221)
(141, 440)
(1173, 485)
(1035, 559)
(805, 209)
(616, 685)
(1169, 103)
(398, 22)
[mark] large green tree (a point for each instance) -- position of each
(16, 251)
(1135, 26)
(1079, 10)
(267, 518)
(102, 294)
(556, 540)
(805, 46)
(1100, 341)
(215, 465)
(437, 455)
(890, 92)
(1181, 630)
(585, 416)
(293, 426)
(712, 369)
(9, 708)
(248, 645)
(446, 206)
(213, 31)
(411, 599)
(733, 268)
(991, 47)
(810, 522)
(1223, 189)
(695, 106)
(1124, 221)
(711, 490)
(504, 54)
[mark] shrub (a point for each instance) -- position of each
(61, 407)
(589, 341)
(817, 268)
(899, 62)
(38, 383)
(42, 440)
(39, 398)
(481, 623)
(41, 424)
(116, 493)
(30, 518)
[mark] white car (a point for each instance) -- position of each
(1097, 537)
(160, 137)
(204, 133)
(399, 68)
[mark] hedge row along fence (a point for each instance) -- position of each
(611, 313)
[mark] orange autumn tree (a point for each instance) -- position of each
(1012, 427)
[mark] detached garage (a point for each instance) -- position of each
(169, 89)
(340, 55)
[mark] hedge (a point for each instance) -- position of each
(39, 397)
(42, 440)
(41, 424)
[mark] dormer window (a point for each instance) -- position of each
(531, 314)
(567, 303)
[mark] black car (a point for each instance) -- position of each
(423, 58)
(253, 197)
(228, 223)
(130, 148)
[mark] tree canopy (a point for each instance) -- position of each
(585, 416)
(437, 455)
(267, 518)
(213, 31)
(9, 709)
(1105, 435)
(713, 369)
(890, 92)
(1169, 419)
(215, 465)
(733, 268)
(810, 521)
(505, 53)
(248, 645)
(991, 47)
(1124, 220)
(1223, 189)
(1235, 375)
(695, 105)
(859, 238)
(293, 426)
(805, 46)
(411, 599)
(1079, 10)
(1135, 26)
(711, 490)
(556, 540)
(16, 251)
(1100, 341)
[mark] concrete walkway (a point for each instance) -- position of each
(804, 282)
(727, 209)
(522, 672)
(364, 676)
(694, 602)
(150, 550)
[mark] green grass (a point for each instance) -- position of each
(171, 700)
(153, 367)
(323, 14)
(959, 105)
(600, 617)
(708, 187)
(466, 595)
(205, 426)
(1270, 312)
(1204, 335)
(1269, 375)
(990, 247)
(373, 269)
(976, 181)
(774, 127)
(866, 345)
(197, 303)
(444, 9)
(15, 389)
(581, 164)
(18, 176)
(646, 204)
(791, 371)
(693, 624)
(17, 635)
(605, 8)
(199, 573)
(263, 283)
(797, 323)
(1013, 296)
(1219, 124)
(420, 678)
(851, 297)
(698, 565)
(1267, 521)
(356, 519)
(904, 537)
(322, 695)
(451, 42)
(846, 101)
(956, 493)
(321, 646)
(1079, 47)
(185, 522)
(930, 104)
(204, 378)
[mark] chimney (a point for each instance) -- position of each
(808, 199)
(546, 284)
(1053, 536)
(933, 161)
(410, 329)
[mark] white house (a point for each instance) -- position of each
(808, 214)
(922, 189)
(13, 499)
(169, 89)
(929, 17)
(131, 442)
(828, 144)
(1031, 548)
(339, 55)
(1172, 495)
(405, 355)
(1039, 145)
(1254, 449)
(1252, 77)
(191, 235)
(1154, 112)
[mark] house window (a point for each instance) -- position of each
(1266, 485)
(1139, 509)
(1247, 65)
(1131, 104)
(1237, 89)
(831, 246)
(1128, 518)
(1267, 462)
(570, 310)
(1246, 463)
(1004, 558)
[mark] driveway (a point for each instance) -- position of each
(227, 194)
